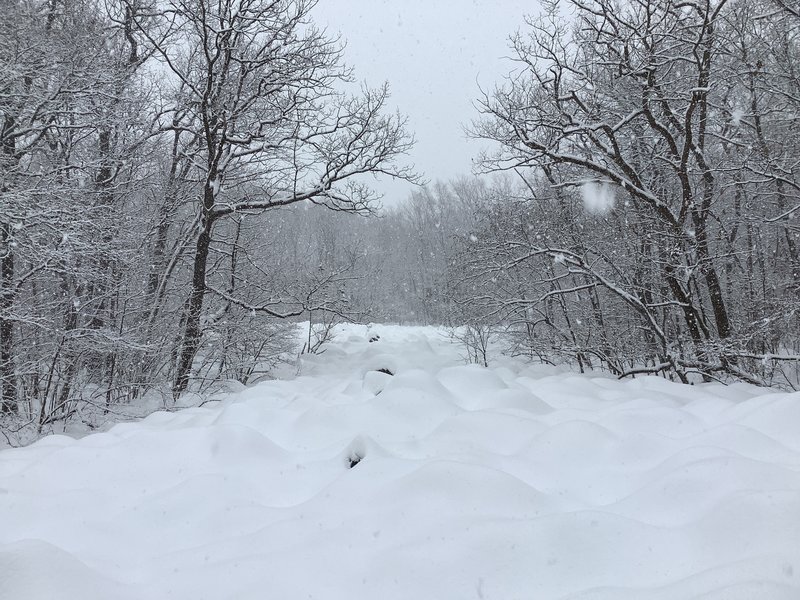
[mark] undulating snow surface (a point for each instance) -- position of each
(497, 484)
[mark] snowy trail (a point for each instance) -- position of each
(505, 483)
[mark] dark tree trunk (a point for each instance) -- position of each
(712, 280)
(192, 333)
(694, 321)
(8, 387)
(105, 201)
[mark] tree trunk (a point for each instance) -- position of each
(8, 388)
(712, 280)
(192, 333)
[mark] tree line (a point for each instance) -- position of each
(644, 217)
(143, 147)
(655, 224)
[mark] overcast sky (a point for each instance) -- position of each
(434, 54)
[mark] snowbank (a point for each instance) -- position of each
(441, 481)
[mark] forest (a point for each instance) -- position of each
(182, 182)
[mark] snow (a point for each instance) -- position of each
(512, 482)
(598, 198)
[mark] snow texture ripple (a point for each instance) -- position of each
(442, 481)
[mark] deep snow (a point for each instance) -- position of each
(506, 483)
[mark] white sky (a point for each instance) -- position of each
(434, 54)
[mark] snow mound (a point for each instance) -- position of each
(442, 480)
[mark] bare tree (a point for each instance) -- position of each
(626, 100)
(261, 89)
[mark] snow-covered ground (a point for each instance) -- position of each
(497, 484)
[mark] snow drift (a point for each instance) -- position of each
(442, 481)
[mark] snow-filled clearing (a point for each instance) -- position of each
(444, 481)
